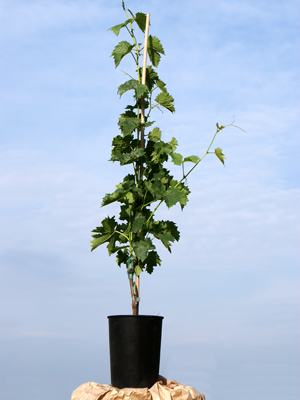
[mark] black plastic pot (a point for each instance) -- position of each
(134, 342)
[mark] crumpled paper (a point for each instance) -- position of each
(164, 389)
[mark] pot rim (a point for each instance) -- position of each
(136, 316)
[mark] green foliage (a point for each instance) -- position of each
(220, 155)
(120, 51)
(165, 100)
(155, 49)
(140, 19)
(116, 29)
(193, 159)
(132, 84)
(151, 184)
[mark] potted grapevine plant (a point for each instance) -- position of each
(131, 236)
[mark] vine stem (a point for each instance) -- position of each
(185, 176)
(135, 43)
(122, 235)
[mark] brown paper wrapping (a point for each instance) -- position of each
(162, 390)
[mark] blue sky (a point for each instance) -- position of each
(230, 290)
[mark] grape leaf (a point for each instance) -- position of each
(171, 227)
(120, 51)
(151, 77)
(126, 213)
(122, 257)
(115, 196)
(155, 44)
(220, 155)
(121, 191)
(138, 223)
(173, 143)
(154, 50)
(161, 85)
(161, 151)
(165, 231)
(140, 19)
(141, 248)
(128, 158)
(193, 159)
(166, 100)
(117, 248)
(98, 240)
(155, 135)
(121, 145)
(151, 261)
(176, 158)
(166, 239)
(104, 232)
(132, 84)
(128, 125)
(116, 29)
(172, 197)
(157, 189)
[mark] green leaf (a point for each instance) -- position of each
(116, 29)
(104, 232)
(155, 135)
(158, 189)
(126, 213)
(115, 249)
(121, 145)
(165, 227)
(193, 159)
(176, 158)
(140, 19)
(117, 236)
(166, 239)
(220, 155)
(184, 197)
(99, 239)
(152, 261)
(120, 51)
(141, 248)
(184, 192)
(147, 124)
(154, 43)
(173, 143)
(171, 227)
(128, 125)
(121, 191)
(112, 244)
(128, 158)
(166, 100)
(161, 152)
(122, 257)
(165, 231)
(151, 77)
(172, 197)
(115, 196)
(154, 57)
(161, 85)
(154, 50)
(132, 84)
(138, 223)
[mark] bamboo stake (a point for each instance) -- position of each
(137, 278)
(144, 77)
